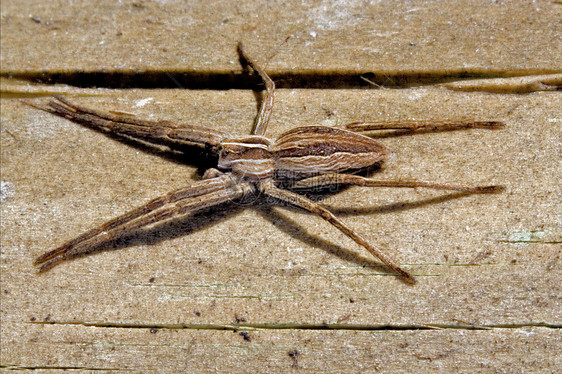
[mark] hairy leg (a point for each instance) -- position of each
(194, 194)
(356, 180)
(171, 133)
(312, 207)
(422, 125)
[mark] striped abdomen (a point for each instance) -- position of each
(309, 151)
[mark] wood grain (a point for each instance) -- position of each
(516, 37)
(178, 297)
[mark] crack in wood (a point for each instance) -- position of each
(234, 79)
(46, 367)
(297, 326)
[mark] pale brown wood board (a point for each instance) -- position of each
(177, 297)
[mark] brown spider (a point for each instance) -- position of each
(304, 158)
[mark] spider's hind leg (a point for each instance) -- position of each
(311, 206)
(335, 179)
(422, 125)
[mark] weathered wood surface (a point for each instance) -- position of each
(416, 36)
(177, 297)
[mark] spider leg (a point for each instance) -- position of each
(267, 103)
(212, 173)
(157, 131)
(311, 206)
(198, 196)
(335, 179)
(422, 125)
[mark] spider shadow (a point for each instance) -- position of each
(195, 156)
(397, 207)
(209, 217)
(171, 229)
(296, 231)
(395, 133)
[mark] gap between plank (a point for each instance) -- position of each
(297, 326)
(238, 80)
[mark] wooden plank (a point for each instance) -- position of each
(505, 38)
(178, 297)
(489, 262)
(208, 351)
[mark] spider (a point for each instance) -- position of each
(302, 159)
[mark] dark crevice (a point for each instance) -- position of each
(297, 326)
(238, 80)
(81, 368)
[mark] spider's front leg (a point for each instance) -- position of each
(174, 135)
(267, 104)
(200, 195)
